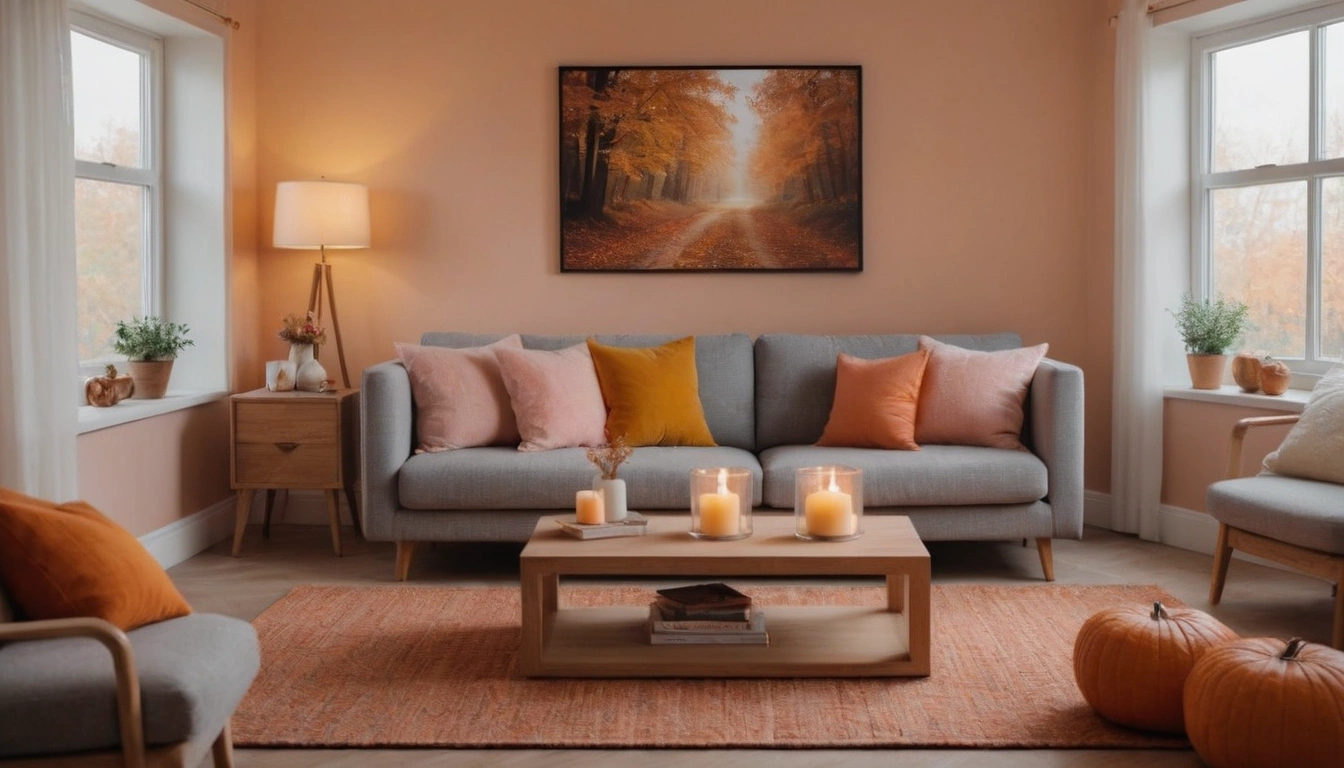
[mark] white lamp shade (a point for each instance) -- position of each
(314, 214)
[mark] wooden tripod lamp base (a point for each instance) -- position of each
(322, 274)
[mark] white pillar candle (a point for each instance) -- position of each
(829, 512)
(588, 508)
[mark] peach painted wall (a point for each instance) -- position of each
(149, 473)
(986, 168)
(1195, 443)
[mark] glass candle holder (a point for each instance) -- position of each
(828, 503)
(721, 503)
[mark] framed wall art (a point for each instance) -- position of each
(692, 169)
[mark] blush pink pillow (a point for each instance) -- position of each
(556, 398)
(974, 398)
(460, 399)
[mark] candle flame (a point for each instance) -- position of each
(833, 488)
(723, 481)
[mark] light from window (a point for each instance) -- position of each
(1332, 269)
(1261, 96)
(1259, 251)
(1333, 83)
(107, 101)
(110, 244)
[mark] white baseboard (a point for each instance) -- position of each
(1097, 509)
(1176, 527)
(181, 539)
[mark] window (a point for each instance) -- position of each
(118, 179)
(1269, 181)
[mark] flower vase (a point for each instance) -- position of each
(309, 375)
(613, 497)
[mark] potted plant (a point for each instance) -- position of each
(1209, 329)
(150, 345)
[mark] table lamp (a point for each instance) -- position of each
(321, 215)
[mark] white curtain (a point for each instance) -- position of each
(38, 353)
(1136, 412)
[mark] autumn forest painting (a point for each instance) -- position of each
(730, 168)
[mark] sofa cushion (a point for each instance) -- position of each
(555, 397)
(723, 366)
(1308, 513)
(652, 394)
(1313, 447)
(973, 397)
(875, 402)
(59, 695)
(795, 377)
(502, 478)
(935, 475)
(460, 397)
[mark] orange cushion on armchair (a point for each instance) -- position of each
(60, 561)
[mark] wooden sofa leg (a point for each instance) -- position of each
(405, 549)
(222, 749)
(1337, 637)
(1047, 557)
(1222, 556)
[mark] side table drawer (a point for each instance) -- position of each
(297, 422)
(287, 463)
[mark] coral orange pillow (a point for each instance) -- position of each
(59, 561)
(555, 396)
(460, 397)
(652, 393)
(974, 398)
(875, 402)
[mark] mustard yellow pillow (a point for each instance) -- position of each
(652, 393)
(59, 561)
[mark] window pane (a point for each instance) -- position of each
(1260, 100)
(106, 82)
(1260, 257)
(1332, 269)
(1333, 83)
(110, 243)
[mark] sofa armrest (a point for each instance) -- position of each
(387, 426)
(1056, 403)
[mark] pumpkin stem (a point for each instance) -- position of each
(1159, 611)
(111, 371)
(1294, 647)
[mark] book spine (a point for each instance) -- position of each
(712, 639)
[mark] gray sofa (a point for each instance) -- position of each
(766, 403)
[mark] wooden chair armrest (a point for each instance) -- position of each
(1239, 436)
(129, 717)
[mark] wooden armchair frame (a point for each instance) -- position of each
(133, 753)
(1322, 564)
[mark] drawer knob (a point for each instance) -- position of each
(286, 447)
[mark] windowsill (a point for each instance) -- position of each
(1291, 401)
(93, 418)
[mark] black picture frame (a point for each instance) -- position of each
(711, 168)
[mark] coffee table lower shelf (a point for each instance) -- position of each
(829, 641)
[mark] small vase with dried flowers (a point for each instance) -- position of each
(309, 375)
(608, 458)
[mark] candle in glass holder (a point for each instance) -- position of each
(588, 508)
(830, 511)
(720, 512)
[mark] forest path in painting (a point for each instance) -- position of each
(725, 236)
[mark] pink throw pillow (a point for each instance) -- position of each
(556, 398)
(974, 398)
(460, 398)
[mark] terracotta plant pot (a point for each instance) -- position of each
(1206, 371)
(151, 378)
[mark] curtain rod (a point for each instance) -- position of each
(227, 21)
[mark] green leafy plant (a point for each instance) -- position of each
(150, 338)
(1210, 327)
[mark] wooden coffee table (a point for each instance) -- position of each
(805, 641)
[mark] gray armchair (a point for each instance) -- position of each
(82, 692)
(1299, 523)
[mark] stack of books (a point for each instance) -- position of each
(705, 614)
(634, 524)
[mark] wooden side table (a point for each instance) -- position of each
(293, 440)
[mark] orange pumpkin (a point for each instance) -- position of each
(1246, 372)
(1131, 663)
(1274, 377)
(1264, 702)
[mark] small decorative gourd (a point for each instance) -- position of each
(1262, 701)
(109, 389)
(1131, 663)
(1274, 377)
(1246, 372)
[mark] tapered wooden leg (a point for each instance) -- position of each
(1222, 555)
(222, 749)
(1047, 553)
(354, 510)
(334, 516)
(1337, 637)
(240, 524)
(266, 521)
(405, 549)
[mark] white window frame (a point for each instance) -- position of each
(150, 176)
(1313, 171)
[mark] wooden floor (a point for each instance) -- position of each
(1258, 601)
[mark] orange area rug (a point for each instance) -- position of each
(437, 667)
